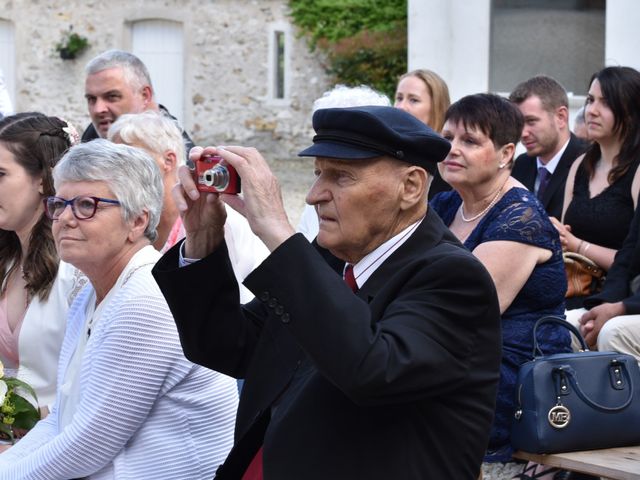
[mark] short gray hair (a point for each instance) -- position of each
(135, 72)
(132, 175)
(152, 130)
(342, 96)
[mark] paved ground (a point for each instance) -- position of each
(295, 176)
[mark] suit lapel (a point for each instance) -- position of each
(428, 234)
(529, 173)
(559, 177)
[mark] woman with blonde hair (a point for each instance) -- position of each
(425, 95)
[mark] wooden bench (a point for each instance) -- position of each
(613, 463)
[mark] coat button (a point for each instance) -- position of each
(273, 301)
(285, 318)
(279, 310)
(264, 296)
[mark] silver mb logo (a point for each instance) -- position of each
(559, 416)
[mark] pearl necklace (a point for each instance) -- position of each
(483, 212)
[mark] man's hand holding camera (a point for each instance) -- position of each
(202, 209)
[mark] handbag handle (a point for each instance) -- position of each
(571, 373)
(559, 321)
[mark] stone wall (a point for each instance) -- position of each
(226, 52)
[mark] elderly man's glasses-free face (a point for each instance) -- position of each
(83, 207)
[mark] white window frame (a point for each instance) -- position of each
(7, 58)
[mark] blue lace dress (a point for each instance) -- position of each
(518, 217)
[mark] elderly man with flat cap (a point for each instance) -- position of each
(371, 353)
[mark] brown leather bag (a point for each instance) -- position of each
(584, 277)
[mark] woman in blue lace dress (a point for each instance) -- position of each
(506, 227)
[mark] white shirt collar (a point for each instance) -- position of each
(370, 262)
(553, 163)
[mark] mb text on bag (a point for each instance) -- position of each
(576, 401)
(584, 277)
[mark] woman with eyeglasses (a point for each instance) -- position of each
(36, 288)
(128, 404)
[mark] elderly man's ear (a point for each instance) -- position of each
(169, 161)
(414, 187)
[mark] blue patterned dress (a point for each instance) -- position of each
(518, 217)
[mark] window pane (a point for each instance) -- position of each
(560, 38)
(279, 66)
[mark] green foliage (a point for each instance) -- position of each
(365, 40)
(16, 412)
(25, 414)
(334, 20)
(71, 44)
(374, 59)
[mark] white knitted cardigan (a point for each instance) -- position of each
(145, 411)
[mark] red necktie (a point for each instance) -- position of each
(349, 278)
(254, 470)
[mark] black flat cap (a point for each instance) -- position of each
(373, 131)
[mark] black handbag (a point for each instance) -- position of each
(576, 401)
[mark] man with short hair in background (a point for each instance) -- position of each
(551, 147)
(118, 82)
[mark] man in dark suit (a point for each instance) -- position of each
(551, 147)
(373, 353)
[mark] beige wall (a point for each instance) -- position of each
(226, 65)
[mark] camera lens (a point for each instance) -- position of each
(216, 177)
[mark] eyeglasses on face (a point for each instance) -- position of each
(83, 207)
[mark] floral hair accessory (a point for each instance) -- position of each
(18, 412)
(72, 134)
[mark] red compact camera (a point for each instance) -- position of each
(213, 174)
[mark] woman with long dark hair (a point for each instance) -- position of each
(36, 289)
(602, 186)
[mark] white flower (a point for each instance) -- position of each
(3, 391)
(72, 134)
(1, 369)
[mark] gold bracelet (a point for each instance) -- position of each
(579, 246)
(585, 249)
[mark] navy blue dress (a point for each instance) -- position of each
(518, 217)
